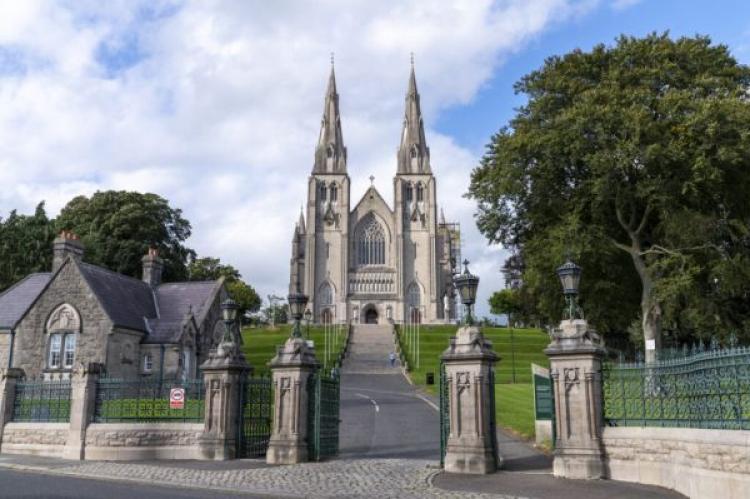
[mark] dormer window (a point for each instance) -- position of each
(329, 151)
(414, 152)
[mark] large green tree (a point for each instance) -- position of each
(25, 245)
(636, 158)
(208, 268)
(118, 227)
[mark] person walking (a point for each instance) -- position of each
(392, 358)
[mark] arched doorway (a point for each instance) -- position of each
(371, 315)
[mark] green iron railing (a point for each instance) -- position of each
(255, 425)
(323, 416)
(700, 389)
(147, 401)
(42, 401)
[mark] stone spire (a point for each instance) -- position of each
(301, 222)
(413, 153)
(330, 153)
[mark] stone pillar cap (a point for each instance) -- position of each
(11, 372)
(295, 352)
(574, 336)
(226, 356)
(470, 343)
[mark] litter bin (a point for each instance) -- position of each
(430, 378)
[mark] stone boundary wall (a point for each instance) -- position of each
(38, 439)
(137, 441)
(698, 463)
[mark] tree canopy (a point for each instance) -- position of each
(118, 227)
(635, 159)
(25, 245)
(208, 268)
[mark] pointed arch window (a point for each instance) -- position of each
(414, 295)
(326, 294)
(414, 151)
(329, 151)
(323, 192)
(334, 193)
(370, 243)
(409, 193)
(420, 192)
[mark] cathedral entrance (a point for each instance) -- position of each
(371, 315)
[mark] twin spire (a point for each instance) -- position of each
(413, 153)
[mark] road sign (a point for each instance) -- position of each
(177, 398)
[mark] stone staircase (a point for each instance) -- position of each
(369, 347)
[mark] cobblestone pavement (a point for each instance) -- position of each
(367, 478)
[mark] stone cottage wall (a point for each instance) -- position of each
(124, 356)
(699, 463)
(30, 351)
(134, 441)
(39, 439)
(5, 339)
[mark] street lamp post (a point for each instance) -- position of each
(308, 319)
(570, 278)
(467, 285)
(297, 304)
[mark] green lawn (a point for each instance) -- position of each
(517, 348)
(259, 344)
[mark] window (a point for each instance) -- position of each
(334, 193)
(326, 294)
(409, 193)
(323, 192)
(70, 350)
(55, 344)
(420, 192)
(370, 242)
(148, 363)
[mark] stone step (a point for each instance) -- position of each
(369, 348)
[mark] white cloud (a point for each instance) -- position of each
(215, 105)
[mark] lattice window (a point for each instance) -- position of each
(326, 294)
(370, 243)
(414, 295)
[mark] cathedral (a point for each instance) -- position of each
(371, 262)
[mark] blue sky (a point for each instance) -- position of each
(725, 21)
(216, 104)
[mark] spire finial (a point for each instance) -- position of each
(332, 56)
(412, 59)
(372, 180)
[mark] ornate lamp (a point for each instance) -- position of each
(570, 278)
(297, 303)
(308, 320)
(467, 285)
(229, 314)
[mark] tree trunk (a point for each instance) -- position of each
(650, 310)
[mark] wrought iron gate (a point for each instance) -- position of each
(445, 414)
(323, 416)
(255, 417)
(445, 420)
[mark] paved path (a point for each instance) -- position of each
(382, 414)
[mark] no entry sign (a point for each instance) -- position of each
(177, 398)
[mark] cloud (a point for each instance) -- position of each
(215, 105)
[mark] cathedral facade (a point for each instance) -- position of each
(371, 262)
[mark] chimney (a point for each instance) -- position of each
(152, 267)
(67, 244)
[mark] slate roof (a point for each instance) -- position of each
(177, 300)
(15, 300)
(128, 302)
